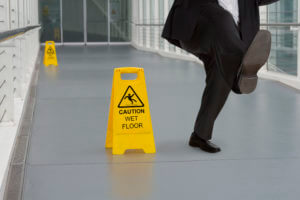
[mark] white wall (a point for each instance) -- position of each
(17, 61)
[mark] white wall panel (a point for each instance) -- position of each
(4, 15)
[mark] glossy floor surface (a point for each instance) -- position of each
(259, 135)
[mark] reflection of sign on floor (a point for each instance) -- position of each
(129, 123)
(50, 54)
(56, 34)
(130, 99)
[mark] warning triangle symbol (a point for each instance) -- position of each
(130, 99)
(50, 51)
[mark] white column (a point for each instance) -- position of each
(148, 35)
(133, 15)
(141, 21)
(13, 14)
(36, 12)
(21, 15)
(156, 21)
(166, 12)
(4, 15)
(135, 20)
(298, 48)
(25, 12)
(28, 13)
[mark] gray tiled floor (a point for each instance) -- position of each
(258, 133)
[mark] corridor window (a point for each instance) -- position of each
(50, 20)
(283, 56)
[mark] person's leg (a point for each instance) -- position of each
(218, 43)
(238, 63)
(214, 97)
(221, 49)
(218, 36)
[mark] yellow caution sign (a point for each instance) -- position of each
(129, 123)
(50, 54)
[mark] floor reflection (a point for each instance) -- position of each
(51, 72)
(130, 175)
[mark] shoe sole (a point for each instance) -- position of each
(256, 56)
(192, 144)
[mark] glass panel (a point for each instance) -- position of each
(283, 12)
(283, 56)
(120, 15)
(73, 21)
(97, 30)
(50, 20)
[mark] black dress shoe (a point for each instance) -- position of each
(207, 146)
(255, 57)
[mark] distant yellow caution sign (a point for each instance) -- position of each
(129, 123)
(50, 57)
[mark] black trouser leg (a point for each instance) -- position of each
(216, 35)
(214, 97)
(217, 43)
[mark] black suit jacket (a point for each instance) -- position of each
(181, 21)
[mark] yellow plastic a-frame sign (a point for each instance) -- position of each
(50, 57)
(129, 123)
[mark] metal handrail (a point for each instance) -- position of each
(263, 24)
(280, 24)
(6, 35)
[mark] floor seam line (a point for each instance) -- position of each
(162, 162)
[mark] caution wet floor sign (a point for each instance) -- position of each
(50, 57)
(129, 123)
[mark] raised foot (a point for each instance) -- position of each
(256, 56)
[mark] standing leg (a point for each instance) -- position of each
(213, 99)
(221, 49)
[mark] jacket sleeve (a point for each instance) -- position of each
(265, 2)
